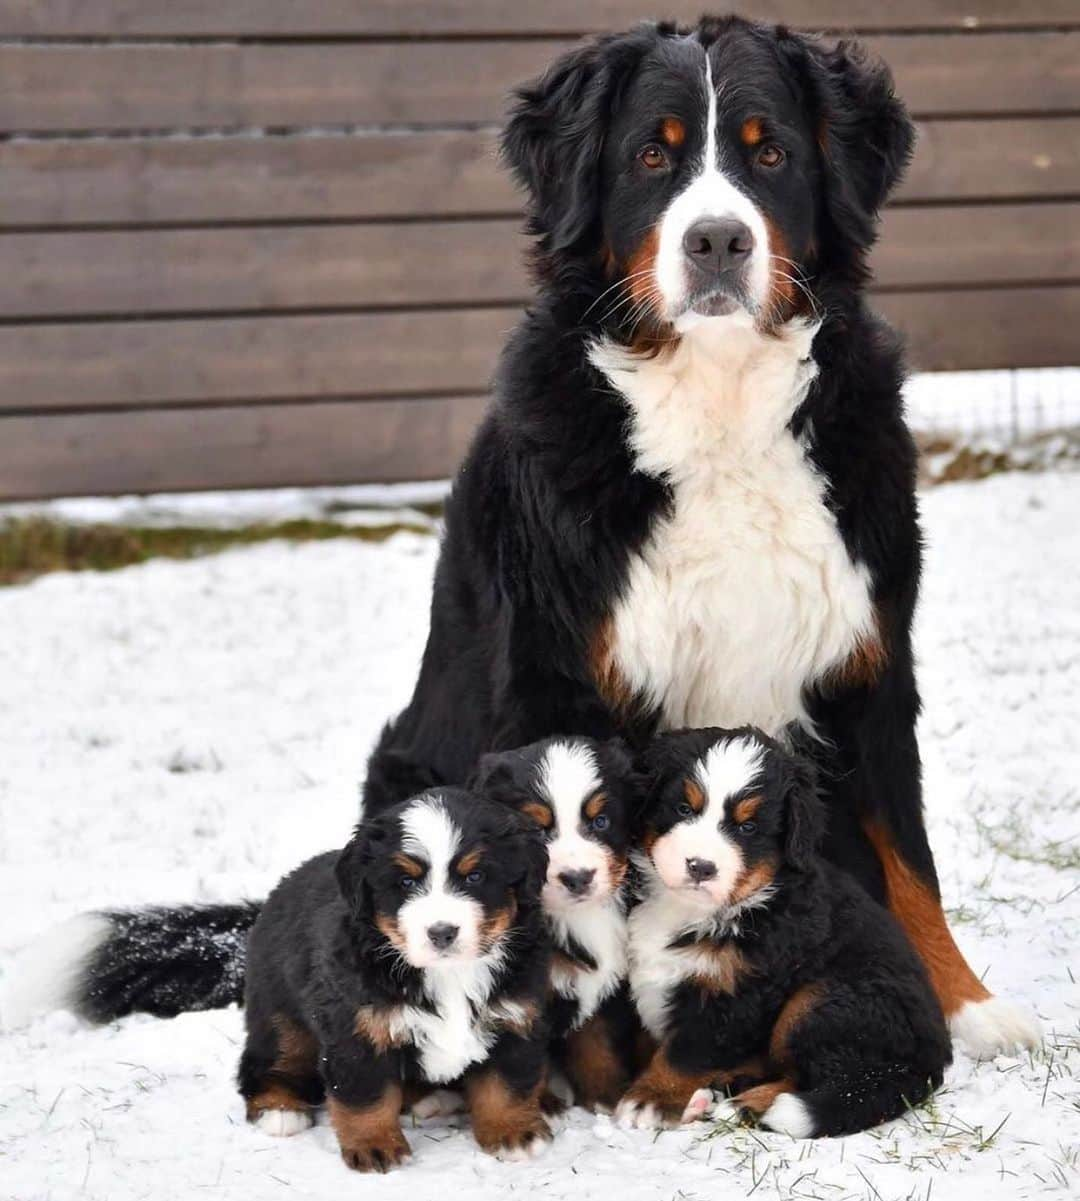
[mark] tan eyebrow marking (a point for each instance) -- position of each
(540, 814)
(594, 804)
(468, 862)
(673, 131)
(753, 131)
(695, 796)
(407, 864)
(746, 808)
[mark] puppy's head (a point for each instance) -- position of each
(709, 173)
(727, 811)
(443, 877)
(576, 791)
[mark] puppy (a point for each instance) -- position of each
(755, 964)
(578, 792)
(415, 957)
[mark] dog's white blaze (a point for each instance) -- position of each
(746, 594)
(568, 775)
(709, 194)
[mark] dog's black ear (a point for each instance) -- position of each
(555, 137)
(491, 774)
(864, 131)
(527, 857)
(656, 768)
(804, 812)
(355, 861)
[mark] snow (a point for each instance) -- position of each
(183, 731)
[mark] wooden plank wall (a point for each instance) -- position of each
(258, 242)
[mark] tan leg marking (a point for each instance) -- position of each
(503, 1120)
(598, 1075)
(370, 1137)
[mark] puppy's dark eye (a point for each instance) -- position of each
(747, 828)
(770, 156)
(684, 810)
(406, 883)
(474, 877)
(600, 822)
(652, 156)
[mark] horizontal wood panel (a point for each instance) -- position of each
(129, 87)
(249, 447)
(141, 18)
(162, 363)
(98, 181)
(275, 268)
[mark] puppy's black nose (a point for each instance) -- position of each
(442, 935)
(578, 883)
(700, 869)
(718, 244)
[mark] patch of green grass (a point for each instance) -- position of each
(31, 546)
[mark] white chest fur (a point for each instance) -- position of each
(746, 593)
(599, 929)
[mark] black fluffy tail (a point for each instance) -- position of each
(162, 961)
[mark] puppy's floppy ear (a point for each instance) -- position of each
(491, 771)
(804, 812)
(354, 863)
(656, 766)
(864, 130)
(529, 859)
(555, 137)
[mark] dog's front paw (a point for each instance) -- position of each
(516, 1140)
(378, 1154)
(645, 1108)
(994, 1027)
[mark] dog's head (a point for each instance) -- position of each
(444, 877)
(726, 812)
(576, 791)
(718, 172)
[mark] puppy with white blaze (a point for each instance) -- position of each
(414, 958)
(759, 967)
(579, 793)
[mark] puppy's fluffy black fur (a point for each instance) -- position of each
(807, 998)
(329, 988)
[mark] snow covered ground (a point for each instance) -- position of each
(182, 731)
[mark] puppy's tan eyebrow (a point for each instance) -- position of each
(746, 808)
(540, 814)
(673, 131)
(407, 864)
(695, 795)
(595, 804)
(752, 131)
(469, 862)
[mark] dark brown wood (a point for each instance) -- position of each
(131, 87)
(388, 18)
(245, 179)
(278, 268)
(253, 446)
(163, 363)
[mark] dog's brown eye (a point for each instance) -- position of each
(652, 157)
(770, 156)
(747, 827)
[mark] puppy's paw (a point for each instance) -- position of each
(440, 1102)
(281, 1123)
(377, 1154)
(994, 1027)
(700, 1106)
(516, 1142)
(640, 1113)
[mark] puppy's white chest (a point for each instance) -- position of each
(454, 1036)
(601, 930)
(745, 594)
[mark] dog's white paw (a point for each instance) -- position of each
(788, 1114)
(561, 1088)
(281, 1123)
(533, 1149)
(440, 1102)
(993, 1027)
(699, 1107)
(638, 1116)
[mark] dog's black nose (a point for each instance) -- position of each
(442, 935)
(700, 869)
(578, 883)
(718, 244)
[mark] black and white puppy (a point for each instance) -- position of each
(579, 793)
(757, 965)
(416, 956)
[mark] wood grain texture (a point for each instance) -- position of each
(156, 180)
(236, 85)
(389, 18)
(156, 450)
(280, 268)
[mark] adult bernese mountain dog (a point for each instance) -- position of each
(692, 500)
(416, 956)
(757, 964)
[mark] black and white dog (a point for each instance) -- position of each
(692, 501)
